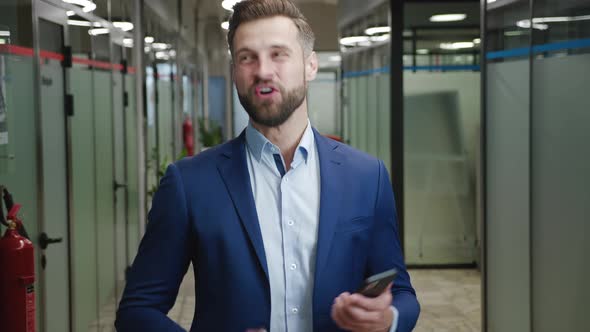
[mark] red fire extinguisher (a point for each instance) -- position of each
(187, 136)
(17, 276)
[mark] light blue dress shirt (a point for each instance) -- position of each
(288, 207)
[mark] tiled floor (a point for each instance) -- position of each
(450, 300)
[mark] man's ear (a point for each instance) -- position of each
(311, 66)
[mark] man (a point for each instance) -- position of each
(281, 224)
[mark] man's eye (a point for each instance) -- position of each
(279, 54)
(245, 58)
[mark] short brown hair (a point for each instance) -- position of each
(251, 10)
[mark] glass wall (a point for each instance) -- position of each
(537, 57)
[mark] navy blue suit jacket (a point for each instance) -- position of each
(204, 213)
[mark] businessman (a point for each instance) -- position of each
(282, 225)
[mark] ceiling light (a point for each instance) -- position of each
(4, 33)
(98, 31)
(128, 41)
(161, 55)
(335, 58)
(125, 26)
(225, 25)
(491, 1)
(526, 24)
(354, 40)
(84, 23)
(229, 4)
(148, 39)
(87, 5)
(380, 38)
(447, 17)
(70, 13)
(456, 46)
(477, 41)
(160, 46)
(422, 51)
(376, 30)
(514, 33)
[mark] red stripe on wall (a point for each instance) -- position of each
(27, 51)
(16, 50)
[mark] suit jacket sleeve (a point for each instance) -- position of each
(386, 253)
(161, 262)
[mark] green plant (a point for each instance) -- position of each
(211, 135)
(152, 163)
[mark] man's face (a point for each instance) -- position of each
(270, 70)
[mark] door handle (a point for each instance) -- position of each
(117, 185)
(45, 240)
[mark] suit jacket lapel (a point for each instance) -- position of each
(330, 173)
(233, 168)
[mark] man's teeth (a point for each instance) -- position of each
(266, 90)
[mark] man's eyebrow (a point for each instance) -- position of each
(243, 49)
(281, 47)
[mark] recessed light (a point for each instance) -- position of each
(447, 17)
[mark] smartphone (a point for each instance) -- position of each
(376, 284)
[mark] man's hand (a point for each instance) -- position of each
(359, 313)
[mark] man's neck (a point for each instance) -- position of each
(288, 135)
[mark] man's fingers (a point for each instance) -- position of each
(373, 304)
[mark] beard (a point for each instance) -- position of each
(269, 113)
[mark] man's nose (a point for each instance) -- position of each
(265, 69)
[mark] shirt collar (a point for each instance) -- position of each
(257, 143)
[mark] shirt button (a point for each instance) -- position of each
(293, 266)
(290, 222)
(294, 310)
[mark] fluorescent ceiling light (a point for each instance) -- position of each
(354, 40)
(70, 13)
(380, 38)
(376, 30)
(456, 45)
(162, 55)
(539, 23)
(87, 5)
(477, 41)
(84, 23)
(491, 1)
(514, 33)
(4, 33)
(335, 58)
(225, 25)
(148, 39)
(526, 24)
(422, 51)
(229, 4)
(128, 41)
(447, 17)
(160, 46)
(125, 26)
(98, 31)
